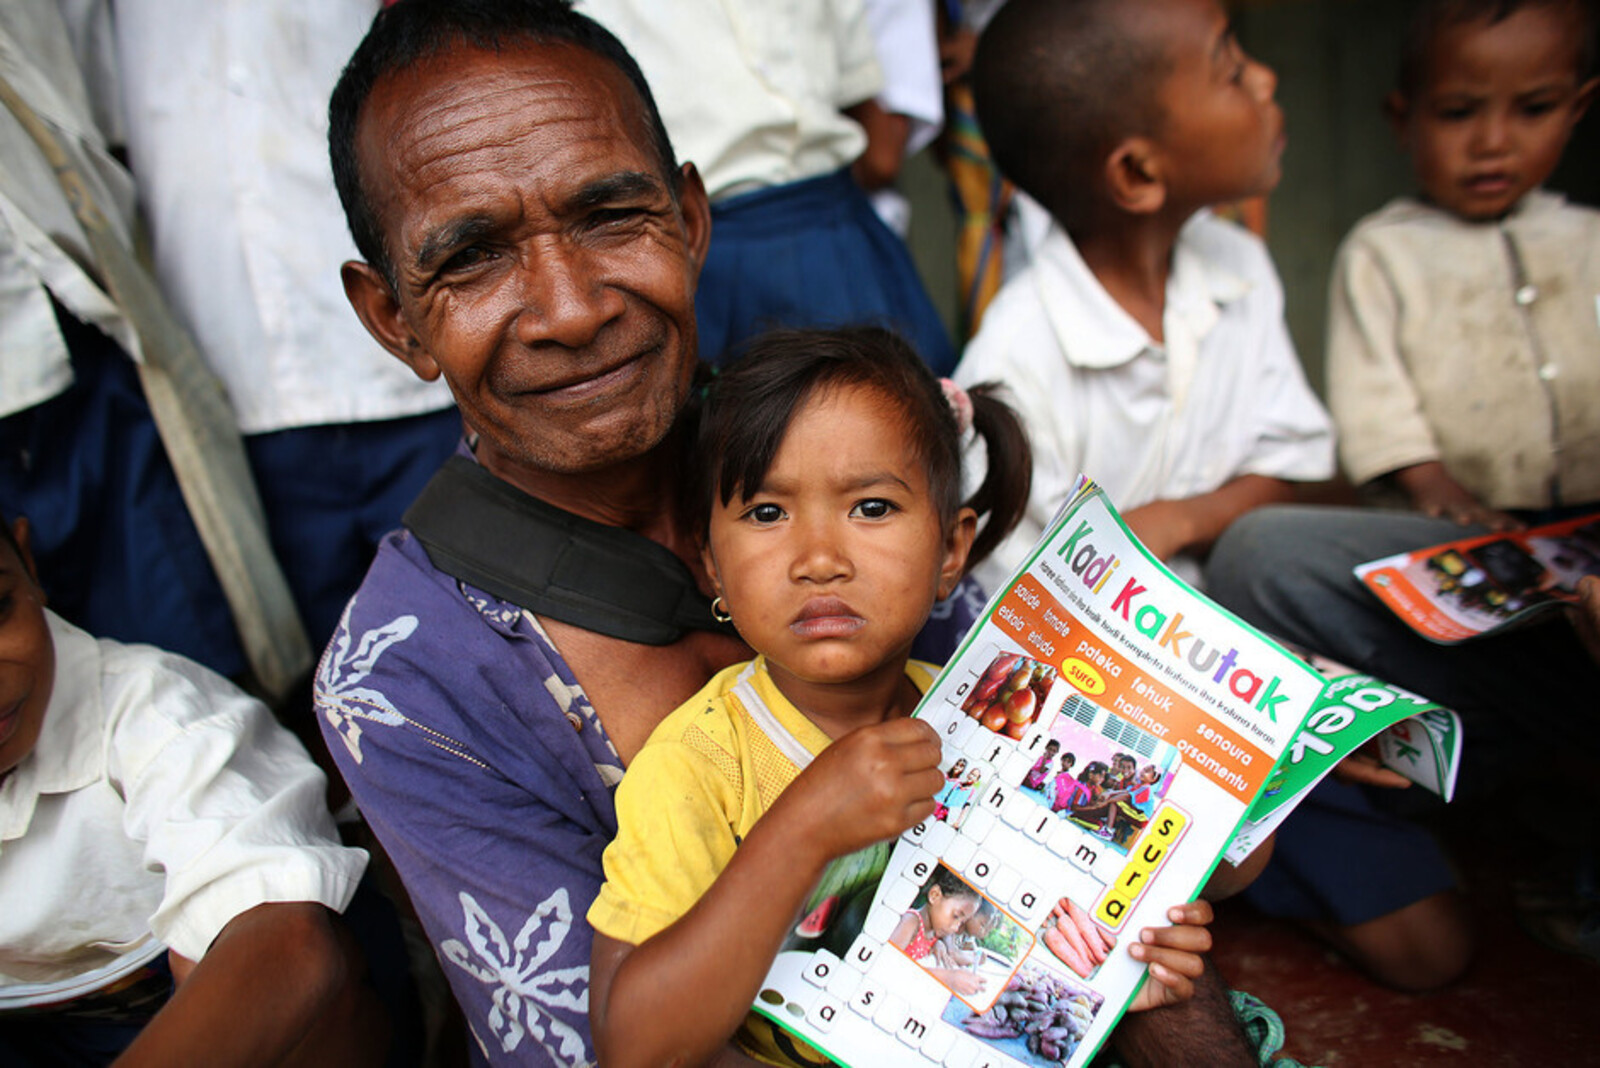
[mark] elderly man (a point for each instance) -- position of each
(528, 237)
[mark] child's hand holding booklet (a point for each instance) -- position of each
(1109, 735)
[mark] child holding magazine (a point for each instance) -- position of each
(832, 523)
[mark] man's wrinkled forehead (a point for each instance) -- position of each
(536, 87)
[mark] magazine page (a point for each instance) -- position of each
(1105, 731)
(1415, 737)
(1456, 591)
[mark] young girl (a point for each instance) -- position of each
(948, 904)
(1040, 771)
(832, 522)
(1067, 789)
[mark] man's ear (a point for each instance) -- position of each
(379, 311)
(1397, 109)
(695, 207)
(1133, 177)
(956, 547)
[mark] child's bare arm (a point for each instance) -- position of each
(1170, 527)
(678, 997)
(1433, 492)
(299, 979)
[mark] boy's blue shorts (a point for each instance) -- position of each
(1342, 859)
(117, 552)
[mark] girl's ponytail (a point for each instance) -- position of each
(1002, 498)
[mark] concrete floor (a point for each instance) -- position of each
(1520, 1003)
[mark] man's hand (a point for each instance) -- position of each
(870, 785)
(1174, 956)
(1433, 492)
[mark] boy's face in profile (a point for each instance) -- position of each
(27, 653)
(1222, 129)
(1495, 107)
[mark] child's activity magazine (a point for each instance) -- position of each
(1109, 735)
(1456, 591)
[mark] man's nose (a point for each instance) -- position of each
(564, 297)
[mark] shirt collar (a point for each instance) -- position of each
(1094, 331)
(70, 753)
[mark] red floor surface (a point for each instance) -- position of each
(1519, 1003)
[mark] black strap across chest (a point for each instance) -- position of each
(488, 533)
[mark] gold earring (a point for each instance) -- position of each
(719, 611)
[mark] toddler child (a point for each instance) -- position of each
(833, 521)
(1463, 347)
(160, 829)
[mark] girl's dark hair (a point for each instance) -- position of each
(751, 403)
(950, 885)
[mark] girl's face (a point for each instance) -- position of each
(948, 913)
(1095, 776)
(1066, 763)
(957, 768)
(831, 567)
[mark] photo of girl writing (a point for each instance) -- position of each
(832, 522)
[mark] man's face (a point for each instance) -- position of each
(542, 263)
(1494, 111)
(1222, 129)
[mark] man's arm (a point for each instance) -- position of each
(282, 984)
(1170, 527)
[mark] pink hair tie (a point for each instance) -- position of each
(960, 403)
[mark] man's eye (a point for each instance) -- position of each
(873, 508)
(464, 260)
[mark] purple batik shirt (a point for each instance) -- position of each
(482, 768)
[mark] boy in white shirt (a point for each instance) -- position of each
(161, 835)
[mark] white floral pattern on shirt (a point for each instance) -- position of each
(521, 992)
(344, 701)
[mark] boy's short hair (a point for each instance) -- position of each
(1431, 16)
(1057, 84)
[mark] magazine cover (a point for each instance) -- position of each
(1106, 732)
(1456, 591)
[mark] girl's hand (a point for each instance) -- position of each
(870, 785)
(1174, 956)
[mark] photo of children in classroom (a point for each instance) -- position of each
(961, 938)
(1106, 781)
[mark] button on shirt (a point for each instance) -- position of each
(1224, 396)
